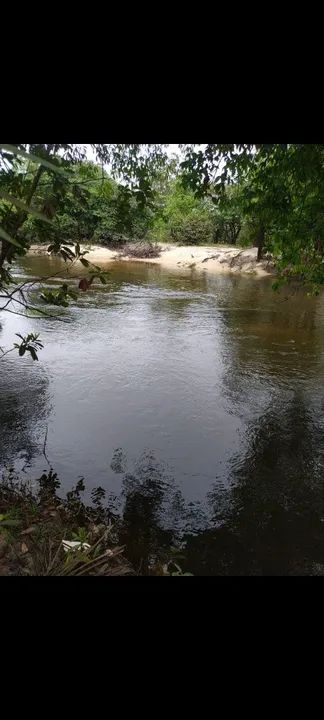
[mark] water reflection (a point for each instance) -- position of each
(195, 400)
(154, 513)
(24, 408)
(149, 496)
(271, 518)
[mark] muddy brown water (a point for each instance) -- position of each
(196, 400)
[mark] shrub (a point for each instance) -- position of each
(192, 231)
(34, 522)
(141, 249)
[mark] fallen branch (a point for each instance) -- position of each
(44, 447)
(236, 256)
(211, 257)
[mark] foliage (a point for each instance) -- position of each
(27, 171)
(49, 193)
(94, 209)
(30, 344)
(183, 218)
(35, 520)
(58, 297)
(281, 194)
(271, 195)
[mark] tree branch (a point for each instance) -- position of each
(44, 447)
(6, 353)
(31, 307)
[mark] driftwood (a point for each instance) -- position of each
(211, 257)
(236, 256)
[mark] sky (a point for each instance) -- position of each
(91, 155)
(171, 150)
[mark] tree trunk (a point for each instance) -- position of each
(259, 242)
(236, 234)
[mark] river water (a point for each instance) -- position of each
(194, 399)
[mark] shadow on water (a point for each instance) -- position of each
(270, 520)
(24, 409)
(223, 378)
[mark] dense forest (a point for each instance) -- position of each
(97, 209)
(270, 196)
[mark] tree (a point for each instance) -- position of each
(180, 216)
(135, 165)
(276, 190)
(95, 208)
(22, 172)
(282, 194)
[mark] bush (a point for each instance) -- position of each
(34, 522)
(141, 250)
(185, 219)
(247, 235)
(110, 239)
(193, 231)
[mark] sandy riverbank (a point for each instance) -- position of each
(210, 258)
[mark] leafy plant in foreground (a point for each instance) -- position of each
(30, 344)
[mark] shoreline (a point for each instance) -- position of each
(209, 258)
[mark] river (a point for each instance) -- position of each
(194, 399)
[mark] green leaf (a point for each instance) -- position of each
(68, 251)
(22, 350)
(21, 204)
(72, 294)
(4, 235)
(9, 523)
(33, 353)
(34, 158)
(84, 262)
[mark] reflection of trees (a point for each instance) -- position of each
(152, 509)
(24, 405)
(172, 308)
(272, 519)
(267, 334)
(155, 515)
(269, 520)
(175, 280)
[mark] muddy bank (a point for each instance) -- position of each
(209, 258)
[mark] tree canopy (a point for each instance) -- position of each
(281, 190)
